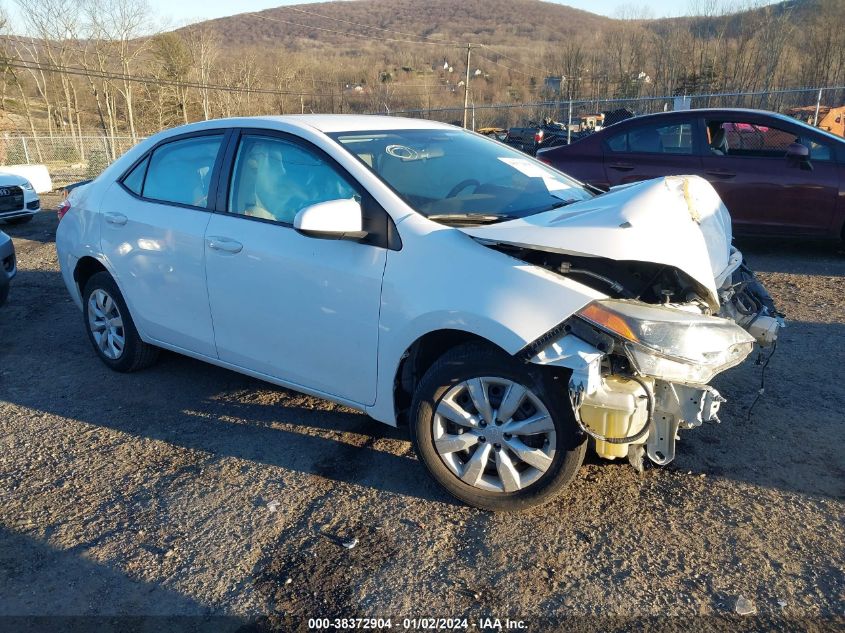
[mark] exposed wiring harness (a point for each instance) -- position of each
(576, 397)
(762, 389)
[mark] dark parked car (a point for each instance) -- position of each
(8, 265)
(776, 175)
(536, 136)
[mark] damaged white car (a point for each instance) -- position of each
(422, 274)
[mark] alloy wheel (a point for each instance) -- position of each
(106, 324)
(494, 434)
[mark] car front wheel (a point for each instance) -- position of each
(496, 433)
(110, 327)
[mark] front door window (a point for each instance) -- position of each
(735, 138)
(275, 179)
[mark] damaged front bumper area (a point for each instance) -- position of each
(745, 301)
(639, 371)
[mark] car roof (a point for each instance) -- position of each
(710, 112)
(755, 115)
(326, 123)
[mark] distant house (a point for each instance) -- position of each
(552, 84)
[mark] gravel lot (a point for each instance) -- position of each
(190, 490)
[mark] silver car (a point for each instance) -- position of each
(8, 265)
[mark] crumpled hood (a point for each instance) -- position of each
(677, 221)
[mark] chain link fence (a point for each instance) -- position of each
(74, 158)
(68, 158)
(582, 113)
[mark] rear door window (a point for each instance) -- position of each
(179, 172)
(134, 180)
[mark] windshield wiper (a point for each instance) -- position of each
(469, 218)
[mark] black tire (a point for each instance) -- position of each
(22, 219)
(476, 360)
(136, 354)
(4, 293)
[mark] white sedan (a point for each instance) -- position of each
(425, 275)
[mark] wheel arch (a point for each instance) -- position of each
(90, 265)
(87, 267)
(420, 356)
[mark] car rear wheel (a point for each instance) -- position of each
(494, 432)
(110, 327)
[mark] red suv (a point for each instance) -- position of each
(775, 174)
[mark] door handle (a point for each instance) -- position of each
(721, 173)
(621, 166)
(224, 244)
(116, 218)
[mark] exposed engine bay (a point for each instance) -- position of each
(626, 407)
(644, 281)
(628, 404)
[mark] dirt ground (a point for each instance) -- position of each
(188, 490)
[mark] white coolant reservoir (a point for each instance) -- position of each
(619, 408)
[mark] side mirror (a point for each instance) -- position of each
(333, 220)
(798, 151)
(799, 154)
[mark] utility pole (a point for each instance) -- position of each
(466, 87)
(569, 118)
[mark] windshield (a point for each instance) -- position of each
(455, 176)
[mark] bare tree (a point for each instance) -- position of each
(173, 57)
(118, 24)
(56, 23)
(203, 44)
(10, 71)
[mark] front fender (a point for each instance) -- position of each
(443, 279)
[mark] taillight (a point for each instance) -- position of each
(63, 208)
(538, 136)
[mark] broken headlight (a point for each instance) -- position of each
(671, 344)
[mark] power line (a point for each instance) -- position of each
(83, 72)
(98, 74)
(542, 70)
(85, 51)
(493, 61)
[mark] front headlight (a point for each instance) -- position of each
(27, 185)
(669, 343)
